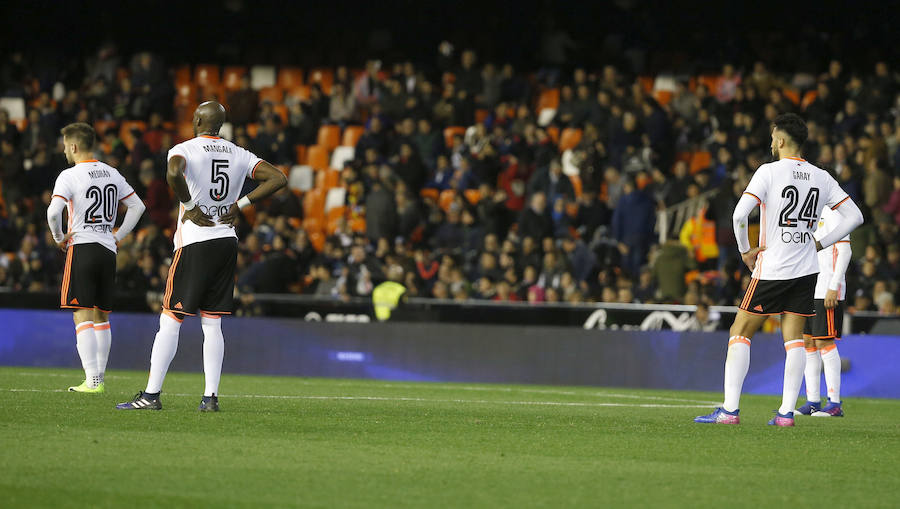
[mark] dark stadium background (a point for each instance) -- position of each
(324, 33)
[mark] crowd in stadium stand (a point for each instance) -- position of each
(475, 182)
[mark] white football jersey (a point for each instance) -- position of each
(215, 170)
(92, 191)
(828, 256)
(791, 194)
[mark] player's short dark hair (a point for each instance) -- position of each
(82, 134)
(793, 126)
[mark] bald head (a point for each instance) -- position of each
(208, 118)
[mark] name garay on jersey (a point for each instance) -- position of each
(800, 175)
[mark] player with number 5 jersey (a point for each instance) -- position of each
(207, 174)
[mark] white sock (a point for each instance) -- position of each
(213, 353)
(831, 359)
(737, 363)
(813, 375)
(104, 339)
(86, 342)
(794, 364)
(164, 347)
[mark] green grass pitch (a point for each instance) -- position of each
(281, 442)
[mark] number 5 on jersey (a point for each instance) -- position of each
(219, 176)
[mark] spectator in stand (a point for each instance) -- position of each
(534, 220)
(552, 182)
(156, 195)
(632, 223)
(243, 103)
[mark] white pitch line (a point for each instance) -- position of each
(416, 400)
(451, 386)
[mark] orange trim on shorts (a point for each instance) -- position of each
(798, 314)
(829, 319)
(67, 273)
(172, 315)
(840, 202)
(170, 281)
(208, 315)
(102, 326)
(75, 307)
(83, 327)
(748, 297)
(739, 339)
(215, 312)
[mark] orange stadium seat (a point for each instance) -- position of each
(299, 92)
(301, 153)
(317, 239)
(472, 195)
(430, 194)
(481, 115)
(548, 99)
(792, 95)
(663, 97)
(125, 131)
(646, 83)
(231, 77)
(101, 126)
(352, 134)
(711, 82)
(576, 185)
(206, 75)
(808, 98)
(701, 160)
(312, 224)
(358, 224)
(314, 203)
(252, 129)
(329, 136)
(183, 75)
(553, 132)
(327, 179)
(185, 131)
(290, 77)
(274, 95)
(317, 157)
(334, 215)
(323, 76)
(446, 199)
(282, 112)
(570, 138)
(450, 132)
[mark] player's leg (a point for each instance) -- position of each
(737, 363)
(79, 289)
(106, 287)
(213, 355)
(794, 363)
(103, 333)
(165, 344)
(831, 359)
(86, 343)
(811, 375)
(217, 301)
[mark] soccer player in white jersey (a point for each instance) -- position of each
(791, 194)
(90, 192)
(207, 174)
(822, 330)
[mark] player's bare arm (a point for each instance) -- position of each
(271, 178)
(175, 178)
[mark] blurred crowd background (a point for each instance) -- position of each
(465, 172)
